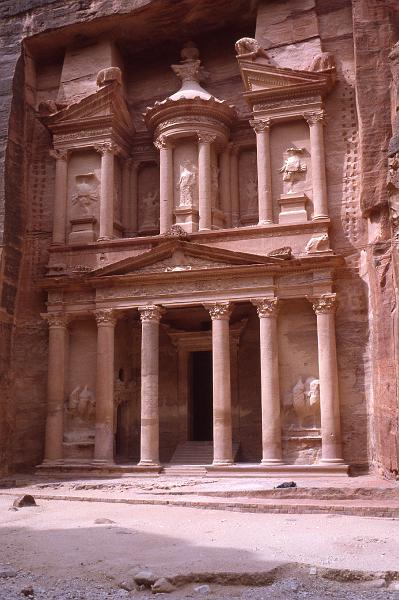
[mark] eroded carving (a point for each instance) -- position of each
(324, 304)
(187, 184)
(292, 168)
(318, 243)
(151, 313)
(80, 410)
(150, 210)
(249, 48)
(109, 75)
(86, 194)
(306, 402)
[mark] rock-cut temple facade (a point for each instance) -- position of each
(199, 232)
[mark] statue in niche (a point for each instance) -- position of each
(80, 414)
(306, 402)
(251, 194)
(150, 209)
(292, 167)
(186, 184)
(86, 194)
(81, 403)
(215, 186)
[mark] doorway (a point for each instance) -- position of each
(201, 398)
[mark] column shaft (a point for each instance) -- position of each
(133, 223)
(328, 377)
(149, 443)
(53, 450)
(60, 201)
(319, 183)
(104, 431)
(205, 182)
(265, 200)
(126, 195)
(165, 185)
(222, 421)
(225, 185)
(234, 188)
(108, 151)
(270, 389)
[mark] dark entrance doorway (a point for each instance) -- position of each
(201, 425)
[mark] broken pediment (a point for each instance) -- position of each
(106, 107)
(264, 81)
(179, 256)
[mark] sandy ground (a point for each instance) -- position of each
(58, 549)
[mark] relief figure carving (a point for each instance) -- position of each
(186, 184)
(303, 406)
(86, 194)
(292, 168)
(150, 207)
(80, 411)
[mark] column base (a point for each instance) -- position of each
(222, 463)
(205, 228)
(272, 461)
(263, 223)
(148, 463)
(319, 217)
(105, 238)
(331, 461)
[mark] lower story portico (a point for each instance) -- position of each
(189, 349)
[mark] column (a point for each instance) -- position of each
(165, 183)
(133, 223)
(126, 194)
(205, 180)
(267, 309)
(331, 450)
(225, 185)
(234, 186)
(222, 423)
(315, 121)
(58, 323)
(104, 430)
(265, 200)
(108, 151)
(149, 442)
(60, 201)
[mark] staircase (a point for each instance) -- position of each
(191, 458)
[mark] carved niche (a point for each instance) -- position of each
(301, 422)
(248, 186)
(80, 410)
(148, 198)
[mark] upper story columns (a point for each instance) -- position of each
(316, 120)
(265, 198)
(60, 198)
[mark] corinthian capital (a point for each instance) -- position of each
(266, 307)
(161, 143)
(219, 310)
(104, 147)
(152, 312)
(313, 117)
(56, 319)
(59, 154)
(326, 303)
(206, 138)
(105, 316)
(260, 125)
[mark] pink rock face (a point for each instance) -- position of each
(201, 255)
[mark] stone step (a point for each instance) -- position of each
(196, 453)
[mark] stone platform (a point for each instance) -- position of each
(356, 496)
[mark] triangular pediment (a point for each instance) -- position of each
(180, 256)
(269, 81)
(107, 104)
